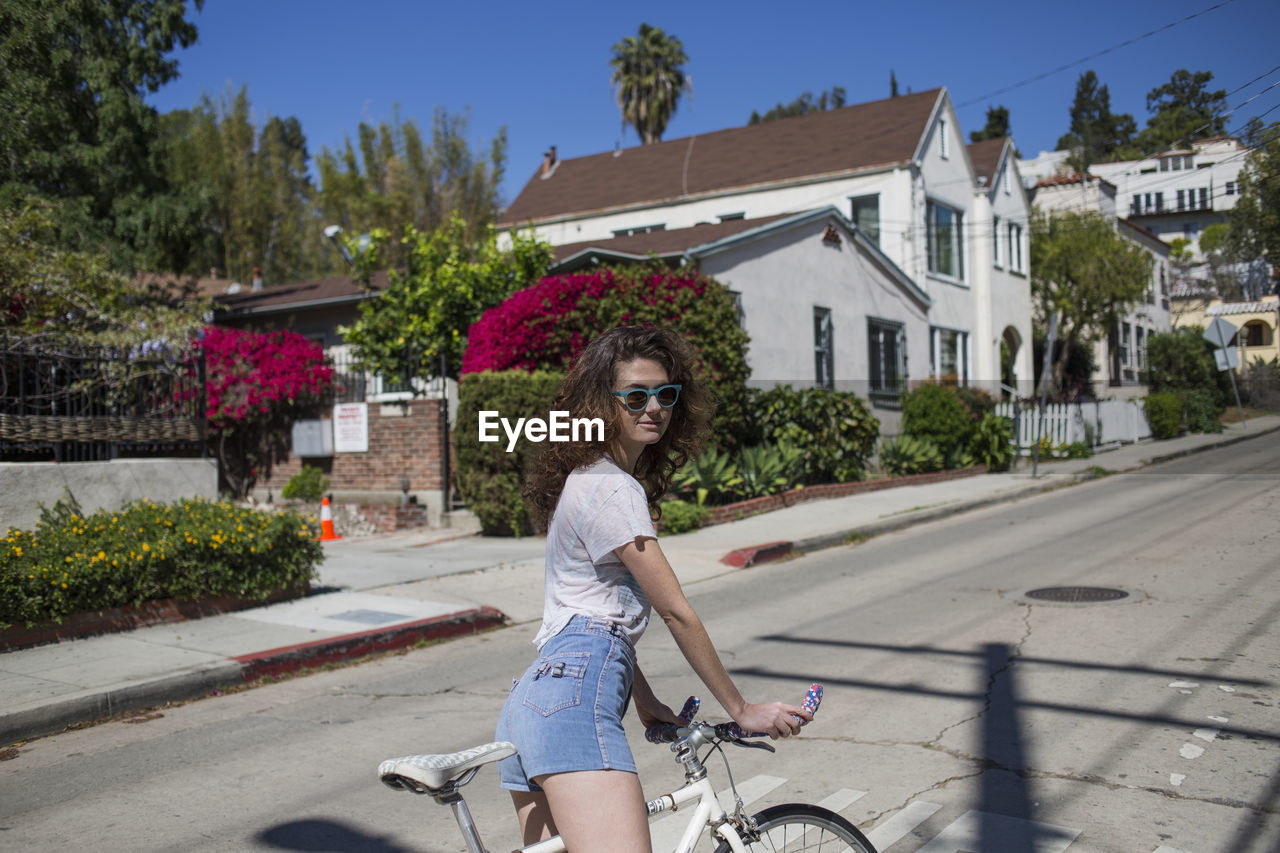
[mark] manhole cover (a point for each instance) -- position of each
(1077, 594)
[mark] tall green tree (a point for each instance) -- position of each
(427, 309)
(997, 125)
(1182, 111)
(1254, 223)
(392, 177)
(832, 98)
(649, 80)
(1085, 272)
(251, 182)
(1097, 135)
(74, 127)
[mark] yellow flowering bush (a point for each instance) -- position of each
(73, 563)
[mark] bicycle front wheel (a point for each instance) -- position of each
(800, 828)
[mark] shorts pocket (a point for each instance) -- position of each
(556, 682)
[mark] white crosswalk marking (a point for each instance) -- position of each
(667, 831)
(842, 799)
(901, 823)
(998, 832)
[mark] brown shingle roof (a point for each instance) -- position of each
(986, 157)
(283, 296)
(824, 143)
(665, 243)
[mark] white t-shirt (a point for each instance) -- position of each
(601, 508)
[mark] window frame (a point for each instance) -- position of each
(877, 375)
(1017, 259)
(959, 350)
(824, 350)
(957, 240)
(854, 217)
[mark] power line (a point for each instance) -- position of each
(1103, 52)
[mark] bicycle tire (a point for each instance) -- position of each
(802, 828)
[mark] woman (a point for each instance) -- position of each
(574, 774)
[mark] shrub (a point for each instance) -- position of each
(488, 477)
(682, 516)
(992, 443)
(833, 430)
(1261, 381)
(1201, 411)
(1164, 414)
(766, 470)
(1182, 360)
(977, 403)
(935, 413)
(546, 327)
(712, 476)
(309, 484)
(73, 563)
(909, 454)
(258, 385)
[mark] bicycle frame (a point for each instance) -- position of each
(707, 813)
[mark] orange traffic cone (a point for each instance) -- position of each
(326, 522)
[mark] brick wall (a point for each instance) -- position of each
(405, 440)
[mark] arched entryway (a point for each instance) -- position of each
(1010, 345)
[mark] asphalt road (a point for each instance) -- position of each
(960, 714)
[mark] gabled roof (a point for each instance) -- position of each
(336, 290)
(822, 144)
(708, 239)
(986, 156)
(663, 244)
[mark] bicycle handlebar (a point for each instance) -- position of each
(668, 732)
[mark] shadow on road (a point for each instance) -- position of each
(326, 836)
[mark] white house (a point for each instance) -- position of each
(1122, 355)
(897, 170)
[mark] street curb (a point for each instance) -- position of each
(1226, 442)
(56, 716)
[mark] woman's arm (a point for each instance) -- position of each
(646, 562)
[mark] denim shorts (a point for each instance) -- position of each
(565, 712)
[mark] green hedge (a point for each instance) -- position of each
(1164, 414)
(833, 430)
(936, 414)
(75, 563)
(488, 477)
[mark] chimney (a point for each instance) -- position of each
(257, 278)
(549, 162)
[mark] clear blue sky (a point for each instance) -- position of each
(542, 69)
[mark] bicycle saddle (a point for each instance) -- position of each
(436, 771)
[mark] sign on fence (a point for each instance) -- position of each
(351, 428)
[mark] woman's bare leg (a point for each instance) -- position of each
(598, 811)
(536, 823)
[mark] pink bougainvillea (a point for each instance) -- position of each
(248, 375)
(549, 323)
(256, 386)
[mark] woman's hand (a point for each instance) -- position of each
(656, 714)
(773, 718)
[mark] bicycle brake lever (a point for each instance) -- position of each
(754, 744)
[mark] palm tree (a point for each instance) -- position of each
(648, 80)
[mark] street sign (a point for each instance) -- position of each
(1226, 358)
(1219, 333)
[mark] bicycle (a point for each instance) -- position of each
(788, 827)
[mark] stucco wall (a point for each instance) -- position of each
(99, 485)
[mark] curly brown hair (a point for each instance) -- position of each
(587, 393)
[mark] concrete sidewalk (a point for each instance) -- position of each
(393, 591)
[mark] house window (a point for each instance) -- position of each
(866, 215)
(824, 353)
(1008, 181)
(1182, 201)
(1204, 198)
(1015, 248)
(737, 309)
(1231, 187)
(943, 226)
(1140, 348)
(949, 355)
(995, 241)
(640, 229)
(887, 355)
(943, 149)
(730, 217)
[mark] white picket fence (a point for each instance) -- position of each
(1099, 424)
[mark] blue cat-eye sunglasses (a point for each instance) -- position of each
(637, 399)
